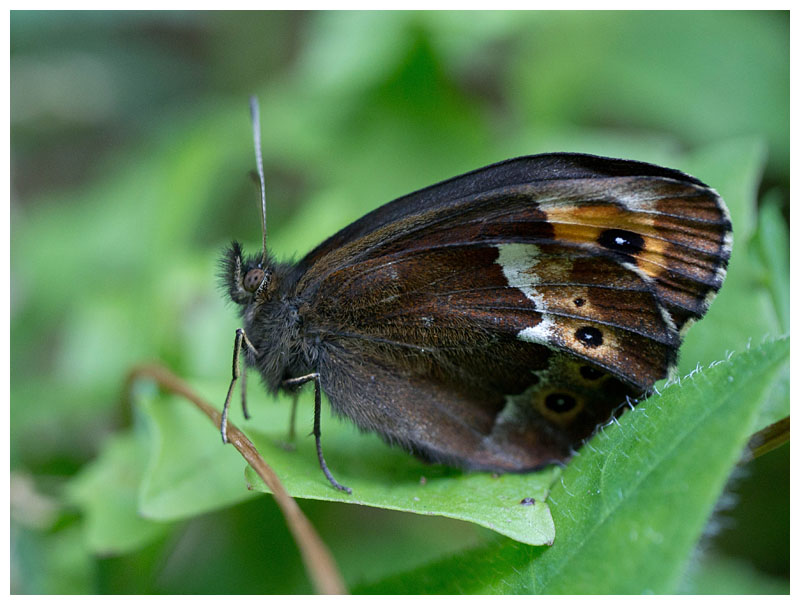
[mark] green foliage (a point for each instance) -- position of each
(635, 496)
(118, 214)
(107, 491)
(189, 473)
(388, 478)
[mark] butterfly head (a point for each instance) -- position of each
(247, 279)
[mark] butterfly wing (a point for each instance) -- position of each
(494, 320)
(509, 173)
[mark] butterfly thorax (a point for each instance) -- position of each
(271, 314)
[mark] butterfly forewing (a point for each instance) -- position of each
(493, 320)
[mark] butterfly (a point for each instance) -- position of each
(494, 320)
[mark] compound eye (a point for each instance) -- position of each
(253, 279)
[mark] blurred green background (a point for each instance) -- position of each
(130, 153)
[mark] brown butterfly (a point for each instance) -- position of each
(494, 320)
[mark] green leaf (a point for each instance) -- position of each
(390, 478)
(190, 471)
(106, 492)
(631, 507)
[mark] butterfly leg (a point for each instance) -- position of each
(289, 443)
(292, 418)
(317, 433)
(244, 393)
(240, 341)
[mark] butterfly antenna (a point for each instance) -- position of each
(256, 120)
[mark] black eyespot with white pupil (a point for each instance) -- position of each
(253, 279)
(560, 402)
(589, 336)
(621, 240)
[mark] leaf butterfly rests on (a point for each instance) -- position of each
(494, 320)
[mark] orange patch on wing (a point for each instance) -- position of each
(585, 225)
